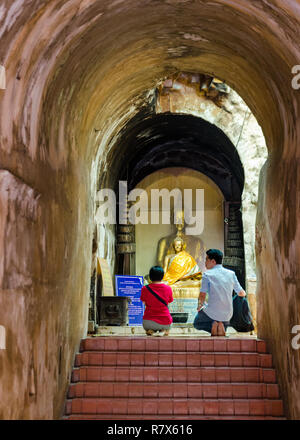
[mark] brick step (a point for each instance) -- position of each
(162, 406)
(157, 417)
(176, 359)
(146, 343)
(175, 390)
(174, 374)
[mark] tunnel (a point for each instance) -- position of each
(79, 75)
(157, 141)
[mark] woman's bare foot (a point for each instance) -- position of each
(166, 333)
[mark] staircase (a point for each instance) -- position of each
(173, 378)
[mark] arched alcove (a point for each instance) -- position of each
(147, 236)
(171, 140)
(76, 73)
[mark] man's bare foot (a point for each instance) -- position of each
(149, 332)
(221, 329)
(166, 333)
(214, 329)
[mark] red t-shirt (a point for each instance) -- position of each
(155, 310)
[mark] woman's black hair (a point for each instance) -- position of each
(215, 254)
(156, 273)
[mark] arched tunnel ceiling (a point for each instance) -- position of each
(93, 59)
(76, 66)
(150, 143)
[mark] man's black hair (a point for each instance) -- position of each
(156, 273)
(215, 254)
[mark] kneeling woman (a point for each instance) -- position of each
(156, 297)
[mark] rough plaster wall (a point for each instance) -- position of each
(238, 123)
(42, 320)
(278, 256)
(253, 153)
(75, 71)
(107, 241)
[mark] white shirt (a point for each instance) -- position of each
(219, 283)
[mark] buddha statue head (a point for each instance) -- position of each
(178, 245)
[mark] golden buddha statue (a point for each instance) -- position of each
(193, 245)
(180, 266)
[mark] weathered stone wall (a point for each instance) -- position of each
(236, 120)
(76, 71)
(43, 296)
(278, 256)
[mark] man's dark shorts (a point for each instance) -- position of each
(204, 322)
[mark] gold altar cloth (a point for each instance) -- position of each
(182, 265)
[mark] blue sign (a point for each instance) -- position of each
(131, 286)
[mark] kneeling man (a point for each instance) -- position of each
(218, 283)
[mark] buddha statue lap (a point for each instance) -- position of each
(181, 269)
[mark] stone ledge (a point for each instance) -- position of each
(177, 330)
